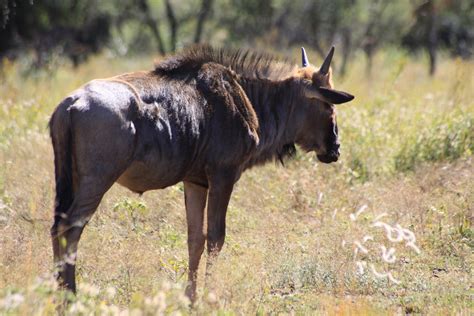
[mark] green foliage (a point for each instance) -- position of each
(452, 28)
(310, 274)
(132, 209)
(69, 28)
(79, 28)
(447, 139)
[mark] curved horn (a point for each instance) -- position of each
(304, 58)
(327, 62)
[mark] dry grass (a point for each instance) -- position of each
(284, 250)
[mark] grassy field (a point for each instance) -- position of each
(407, 159)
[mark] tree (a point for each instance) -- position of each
(152, 23)
(75, 29)
(447, 24)
(79, 28)
(203, 14)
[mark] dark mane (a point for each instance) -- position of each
(247, 63)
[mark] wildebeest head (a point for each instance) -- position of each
(319, 127)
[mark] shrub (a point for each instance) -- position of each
(447, 140)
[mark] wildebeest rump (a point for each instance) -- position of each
(201, 117)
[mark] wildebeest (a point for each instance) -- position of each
(201, 117)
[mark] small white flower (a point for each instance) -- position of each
(12, 301)
(212, 298)
(111, 292)
(77, 308)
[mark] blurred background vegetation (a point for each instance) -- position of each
(51, 31)
(407, 152)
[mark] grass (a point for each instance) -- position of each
(407, 144)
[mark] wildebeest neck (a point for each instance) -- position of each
(273, 102)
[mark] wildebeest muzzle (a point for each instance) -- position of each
(332, 154)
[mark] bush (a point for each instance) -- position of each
(449, 139)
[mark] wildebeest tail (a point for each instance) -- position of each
(61, 137)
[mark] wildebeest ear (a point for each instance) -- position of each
(329, 95)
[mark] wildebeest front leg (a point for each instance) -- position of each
(195, 199)
(221, 185)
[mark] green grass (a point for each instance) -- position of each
(407, 144)
(448, 139)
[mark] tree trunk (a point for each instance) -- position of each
(203, 14)
(368, 68)
(346, 49)
(431, 40)
(173, 23)
(152, 24)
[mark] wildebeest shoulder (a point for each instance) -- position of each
(233, 112)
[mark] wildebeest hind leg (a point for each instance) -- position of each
(86, 200)
(195, 197)
(101, 146)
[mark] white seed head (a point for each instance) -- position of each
(362, 248)
(111, 292)
(334, 213)
(379, 275)
(388, 255)
(367, 238)
(378, 217)
(354, 216)
(414, 247)
(320, 197)
(392, 279)
(12, 301)
(361, 266)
